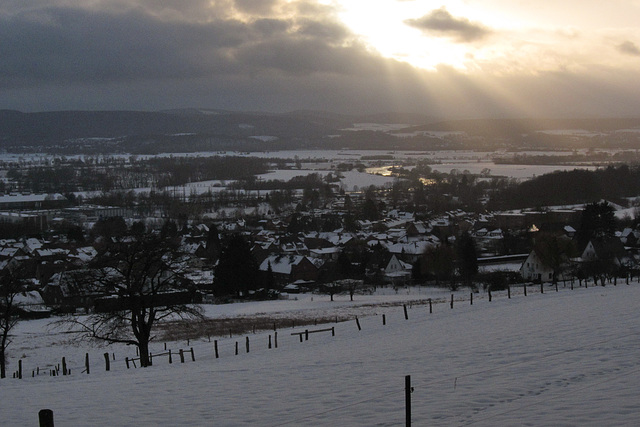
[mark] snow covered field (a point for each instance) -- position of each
(566, 358)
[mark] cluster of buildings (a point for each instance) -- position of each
(385, 250)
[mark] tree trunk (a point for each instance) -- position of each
(3, 368)
(3, 348)
(143, 347)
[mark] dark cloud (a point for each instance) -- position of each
(153, 54)
(440, 22)
(629, 48)
(61, 44)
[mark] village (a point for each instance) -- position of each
(318, 239)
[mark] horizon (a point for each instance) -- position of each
(355, 115)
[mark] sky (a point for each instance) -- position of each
(459, 58)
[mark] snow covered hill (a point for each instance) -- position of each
(565, 358)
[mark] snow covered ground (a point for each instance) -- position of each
(558, 358)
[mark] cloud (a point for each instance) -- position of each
(441, 23)
(629, 48)
(62, 44)
(279, 55)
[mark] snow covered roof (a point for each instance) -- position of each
(280, 264)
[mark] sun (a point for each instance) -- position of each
(380, 24)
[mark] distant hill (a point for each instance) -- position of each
(511, 128)
(199, 129)
(52, 127)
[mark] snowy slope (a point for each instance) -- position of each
(566, 358)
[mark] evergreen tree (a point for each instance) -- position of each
(598, 221)
(237, 270)
(467, 258)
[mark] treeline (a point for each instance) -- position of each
(182, 170)
(77, 175)
(570, 187)
(548, 159)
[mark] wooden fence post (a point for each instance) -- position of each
(126, 360)
(193, 356)
(406, 315)
(541, 288)
(384, 320)
(489, 294)
(407, 399)
(471, 298)
(509, 291)
(86, 363)
(306, 335)
(20, 369)
(358, 323)
(269, 341)
(170, 358)
(430, 307)
(525, 289)
(333, 331)
(64, 365)
(452, 301)
(236, 348)
(107, 362)
(215, 348)
(181, 356)
(45, 417)
(247, 344)
(275, 339)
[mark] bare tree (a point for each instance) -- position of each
(11, 284)
(354, 286)
(143, 272)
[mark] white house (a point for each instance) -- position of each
(534, 269)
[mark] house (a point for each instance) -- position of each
(396, 271)
(30, 305)
(290, 268)
(534, 269)
(69, 290)
(410, 252)
(605, 249)
(415, 229)
(330, 253)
